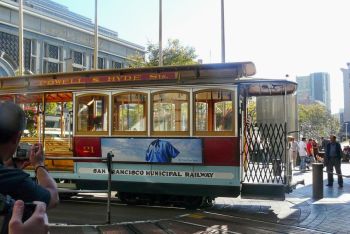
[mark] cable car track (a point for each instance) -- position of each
(184, 225)
(199, 221)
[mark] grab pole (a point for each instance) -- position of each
(110, 155)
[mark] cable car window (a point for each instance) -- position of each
(129, 112)
(92, 113)
(214, 111)
(170, 111)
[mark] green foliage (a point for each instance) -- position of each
(31, 123)
(51, 108)
(316, 121)
(69, 106)
(173, 54)
(251, 110)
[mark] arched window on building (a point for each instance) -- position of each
(6, 65)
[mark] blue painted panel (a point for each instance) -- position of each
(154, 150)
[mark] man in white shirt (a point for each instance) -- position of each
(302, 154)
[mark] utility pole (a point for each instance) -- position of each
(20, 39)
(96, 40)
(222, 31)
(160, 35)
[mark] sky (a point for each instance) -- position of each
(282, 37)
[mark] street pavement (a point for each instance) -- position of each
(331, 214)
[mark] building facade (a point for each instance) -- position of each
(346, 87)
(57, 40)
(314, 88)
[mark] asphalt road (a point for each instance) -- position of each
(228, 215)
(87, 213)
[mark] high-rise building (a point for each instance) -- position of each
(346, 85)
(314, 88)
(57, 40)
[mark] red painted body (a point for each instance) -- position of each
(221, 151)
(87, 146)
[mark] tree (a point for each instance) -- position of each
(316, 121)
(251, 109)
(173, 54)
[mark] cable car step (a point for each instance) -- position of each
(263, 191)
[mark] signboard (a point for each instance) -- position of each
(107, 79)
(61, 80)
(158, 173)
(154, 150)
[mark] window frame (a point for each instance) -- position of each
(46, 59)
(170, 133)
(232, 132)
(76, 109)
(114, 64)
(129, 133)
(103, 61)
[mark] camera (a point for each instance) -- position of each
(6, 207)
(23, 151)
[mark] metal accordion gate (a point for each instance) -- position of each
(265, 165)
(264, 153)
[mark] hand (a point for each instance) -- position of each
(36, 157)
(37, 223)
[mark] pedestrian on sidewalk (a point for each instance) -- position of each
(315, 150)
(309, 150)
(302, 154)
(333, 159)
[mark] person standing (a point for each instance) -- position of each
(333, 159)
(13, 180)
(302, 154)
(309, 151)
(315, 149)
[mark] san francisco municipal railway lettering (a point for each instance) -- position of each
(155, 173)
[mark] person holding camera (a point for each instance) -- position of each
(13, 180)
(36, 223)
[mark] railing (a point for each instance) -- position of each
(107, 160)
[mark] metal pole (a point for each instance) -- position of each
(20, 39)
(160, 35)
(96, 39)
(222, 32)
(317, 180)
(287, 155)
(109, 166)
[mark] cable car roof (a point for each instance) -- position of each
(264, 87)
